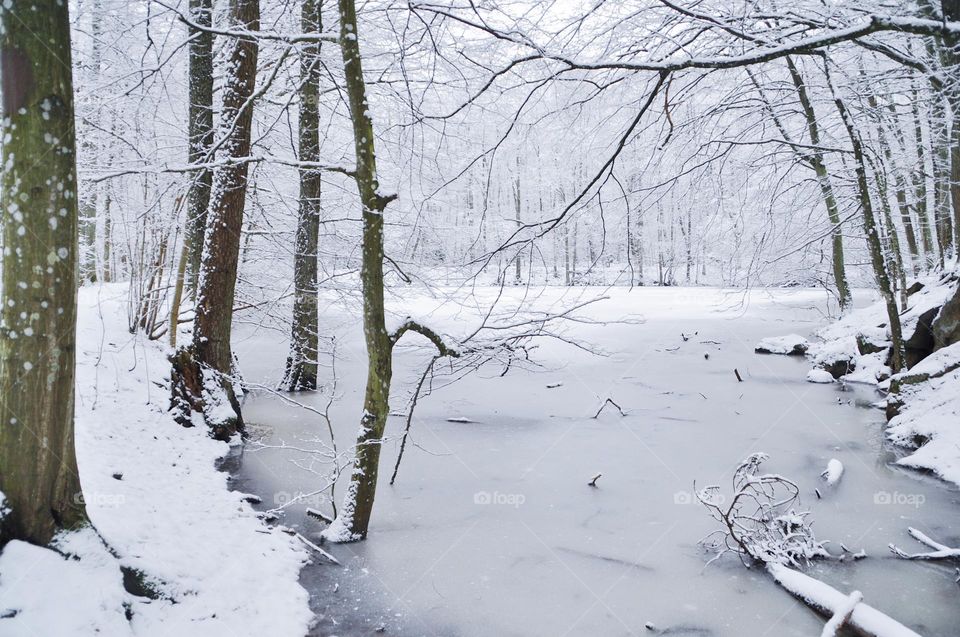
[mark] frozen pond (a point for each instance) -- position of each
(491, 528)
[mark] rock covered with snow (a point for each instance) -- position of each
(833, 472)
(819, 376)
(789, 345)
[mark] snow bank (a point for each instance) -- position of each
(855, 349)
(930, 414)
(153, 493)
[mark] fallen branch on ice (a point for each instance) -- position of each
(940, 551)
(316, 548)
(608, 401)
(864, 620)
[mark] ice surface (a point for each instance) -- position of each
(491, 528)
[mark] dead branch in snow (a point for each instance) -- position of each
(593, 480)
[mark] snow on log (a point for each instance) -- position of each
(833, 472)
(864, 620)
(819, 376)
(842, 616)
(789, 345)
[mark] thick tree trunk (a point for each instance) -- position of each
(301, 370)
(38, 314)
(199, 132)
(210, 359)
(354, 518)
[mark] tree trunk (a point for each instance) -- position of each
(199, 132)
(826, 189)
(38, 194)
(920, 186)
(354, 518)
(951, 12)
(901, 189)
(873, 236)
(301, 370)
(210, 359)
(517, 203)
(88, 193)
(941, 177)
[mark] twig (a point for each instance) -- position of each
(609, 401)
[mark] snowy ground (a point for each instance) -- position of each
(154, 494)
(492, 529)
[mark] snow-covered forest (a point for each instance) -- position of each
(472, 317)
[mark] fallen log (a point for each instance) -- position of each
(826, 600)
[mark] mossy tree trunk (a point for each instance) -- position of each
(354, 516)
(203, 374)
(38, 466)
(199, 132)
(353, 520)
(301, 370)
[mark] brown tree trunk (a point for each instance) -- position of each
(210, 359)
